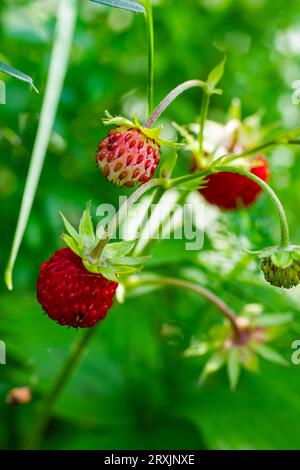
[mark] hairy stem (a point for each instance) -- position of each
(285, 241)
(202, 120)
(260, 148)
(150, 34)
(157, 197)
(231, 169)
(176, 182)
(76, 353)
(170, 98)
(210, 296)
(114, 223)
(152, 242)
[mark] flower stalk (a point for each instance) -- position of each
(165, 103)
(225, 310)
(150, 38)
(115, 222)
(284, 227)
(70, 364)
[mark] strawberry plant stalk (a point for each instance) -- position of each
(96, 253)
(202, 120)
(285, 241)
(150, 34)
(175, 282)
(78, 348)
(163, 105)
(267, 145)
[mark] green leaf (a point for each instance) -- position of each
(12, 72)
(233, 367)
(249, 359)
(216, 74)
(86, 229)
(66, 17)
(269, 354)
(113, 250)
(70, 242)
(70, 229)
(123, 4)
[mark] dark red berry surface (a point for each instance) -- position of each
(70, 294)
(230, 190)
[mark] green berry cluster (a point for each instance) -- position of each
(287, 277)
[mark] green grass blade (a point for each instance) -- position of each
(12, 72)
(66, 18)
(123, 4)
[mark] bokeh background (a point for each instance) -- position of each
(134, 389)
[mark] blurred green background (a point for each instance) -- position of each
(134, 390)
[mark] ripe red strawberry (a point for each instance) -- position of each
(70, 294)
(230, 190)
(127, 156)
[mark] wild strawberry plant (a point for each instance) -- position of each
(228, 165)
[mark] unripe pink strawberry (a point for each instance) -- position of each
(127, 156)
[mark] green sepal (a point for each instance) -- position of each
(281, 257)
(110, 120)
(215, 363)
(129, 260)
(70, 229)
(86, 229)
(233, 367)
(271, 320)
(193, 185)
(71, 243)
(113, 261)
(151, 133)
(118, 249)
(216, 74)
(269, 354)
(127, 270)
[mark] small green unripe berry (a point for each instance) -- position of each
(281, 277)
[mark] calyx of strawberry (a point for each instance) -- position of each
(281, 266)
(114, 261)
(151, 133)
(258, 329)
